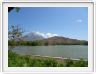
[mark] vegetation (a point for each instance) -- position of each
(16, 60)
(41, 43)
(14, 34)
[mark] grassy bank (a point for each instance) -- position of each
(16, 60)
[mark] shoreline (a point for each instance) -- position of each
(61, 58)
(58, 58)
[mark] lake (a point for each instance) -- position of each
(65, 51)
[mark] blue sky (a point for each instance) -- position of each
(69, 22)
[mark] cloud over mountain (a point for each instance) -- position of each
(47, 35)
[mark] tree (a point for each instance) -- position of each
(11, 8)
(14, 35)
(15, 32)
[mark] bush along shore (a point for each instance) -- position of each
(17, 60)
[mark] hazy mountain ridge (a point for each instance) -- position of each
(56, 40)
(63, 40)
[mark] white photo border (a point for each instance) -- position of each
(95, 36)
(0, 37)
(5, 67)
(47, 1)
(50, 73)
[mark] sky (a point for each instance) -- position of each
(71, 22)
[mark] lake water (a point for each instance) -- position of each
(65, 51)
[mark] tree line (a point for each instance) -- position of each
(41, 43)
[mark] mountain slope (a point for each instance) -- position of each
(63, 40)
(32, 36)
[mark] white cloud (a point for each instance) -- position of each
(39, 33)
(79, 20)
(46, 35)
(50, 35)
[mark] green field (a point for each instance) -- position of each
(16, 60)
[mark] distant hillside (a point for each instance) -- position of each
(63, 40)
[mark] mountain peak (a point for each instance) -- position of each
(32, 36)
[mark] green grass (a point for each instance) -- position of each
(16, 60)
